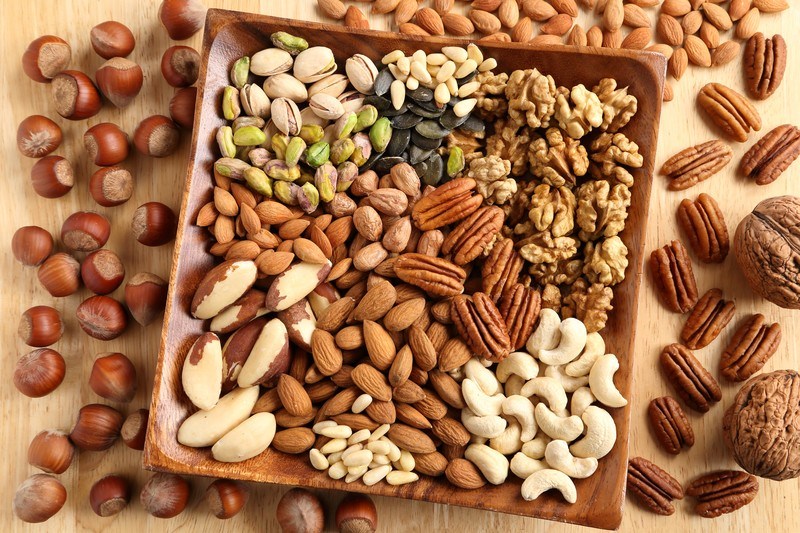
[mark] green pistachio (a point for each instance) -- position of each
(318, 153)
(294, 150)
(325, 180)
(346, 175)
(249, 136)
(258, 180)
(278, 144)
(307, 198)
(455, 161)
(290, 43)
(231, 168)
(363, 149)
(231, 108)
(366, 117)
(259, 157)
(344, 125)
(305, 177)
(279, 170)
(311, 133)
(341, 150)
(244, 120)
(285, 192)
(243, 152)
(240, 71)
(225, 141)
(380, 134)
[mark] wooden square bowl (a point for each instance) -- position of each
(230, 35)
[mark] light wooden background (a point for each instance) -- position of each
(777, 507)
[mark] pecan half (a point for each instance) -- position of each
(468, 240)
(501, 269)
(766, 160)
(708, 318)
(722, 492)
(672, 272)
(697, 163)
(764, 64)
(750, 348)
(447, 204)
(670, 425)
(729, 110)
(704, 225)
(693, 383)
(434, 275)
(653, 487)
(481, 326)
(520, 308)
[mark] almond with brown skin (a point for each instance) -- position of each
(336, 314)
(411, 416)
(342, 402)
(294, 440)
(354, 18)
(400, 317)
(307, 251)
(430, 21)
(484, 22)
(577, 36)
(637, 39)
(335, 9)
(464, 475)
(456, 24)
(327, 356)
(613, 15)
(594, 37)
(508, 13)
(373, 382)
(293, 396)
(725, 53)
(404, 11)
(381, 7)
(378, 300)
(443, 7)
(691, 22)
(401, 367)
(710, 35)
(411, 439)
(635, 17)
(450, 431)
(717, 15)
(558, 25)
(486, 5)
(697, 51)
(677, 63)
(430, 464)
(522, 32)
(669, 30)
(748, 24)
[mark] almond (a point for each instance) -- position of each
(249, 219)
(448, 389)
(381, 7)
(484, 22)
(356, 422)
(717, 16)
(594, 37)
(349, 338)
(409, 28)
(677, 63)
(771, 6)
(225, 202)
(269, 402)
(464, 475)
(293, 396)
(697, 51)
(408, 392)
(307, 251)
(558, 25)
(430, 21)
(354, 18)
(710, 35)
(224, 229)
(333, 8)
(206, 215)
(457, 25)
(327, 356)
(669, 29)
(382, 412)
(668, 92)
(379, 343)
(486, 5)
(411, 439)
(637, 39)
(404, 314)
(443, 6)
(371, 381)
(725, 53)
(676, 8)
(508, 13)
(342, 402)
(661, 48)
(454, 354)
(404, 11)
(691, 22)
(430, 464)
(748, 24)
(538, 10)
(272, 213)
(612, 39)
(292, 229)
(339, 269)
(635, 17)
(294, 440)
(439, 334)
(401, 367)
(322, 391)
(566, 6)
(520, 33)
(738, 8)
(335, 316)
(422, 348)
(378, 300)
(285, 419)
(577, 36)
(411, 416)
(613, 16)
(499, 37)
(431, 406)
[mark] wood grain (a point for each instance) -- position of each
(776, 507)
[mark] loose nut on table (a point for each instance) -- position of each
(112, 39)
(113, 377)
(37, 136)
(225, 497)
(38, 498)
(74, 95)
(109, 495)
(182, 18)
(120, 80)
(165, 495)
(180, 66)
(52, 177)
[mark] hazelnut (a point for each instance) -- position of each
(102, 317)
(112, 39)
(40, 326)
(40, 372)
(180, 66)
(109, 495)
(74, 95)
(52, 176)
(102, 271)
(37, 136)
(111, 186)
(356, 514)
(51, 452)
(97, 427)
(300, 511)
(31, 245)
(226, 498)
(181, 107)
(45, 57)
(146, 297)
(157, 136)
(165, 495)
(38, 498)
(154, 224)
(120, 80)
(182, 18)
(60, 275)
(106, 143)
(134, 430)
(85, 231)
(113, 377)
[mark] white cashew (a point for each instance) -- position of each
(595, 347)
(523, 466)
(521, 408)
(481, 403)
(492, 464)
(481, 375)
(478, 440)
(569, 383)
(517, 364)
(548, 389)
(457, 374)
(564, 428)
(581, 399)
(557, 456)
(508, 441)
(535, 448)
(487, 427)
(601, 381)
(547, 479)
(573, 339)
(547, 335)
(513, 385)
(601, 434)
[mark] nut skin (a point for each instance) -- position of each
(102, 317)
(156, 136)
(145, 296)
(52, 177)
(31, 245)
(51, 452)
(300, 511)
(38, 498)
(40, 326)
(38, 136)
(60, 275)
(102, 271)
(180, 66)
(85, 231)
(106, 143)
(40, 372)
(134, 429)
(113, 377)
(154, 224)
(109, 495)
(181, 107)
(356, 514)
(97, 427)
(111, 186)
(165, 495)
(74, 95)
(120, 80)
(182, 18)
(45, 57)
(112, 39)
(225, 498)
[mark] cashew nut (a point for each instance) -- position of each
(508, 441)
(547, 479)
(492, 464)
(601, 381)
(595, 347)
(569, 383)
(547, 334)
(517, 364)
(487, 427)
(521, 408)
(523, 466)
(481, 375)
(564, 428)
(573, 339)
(581, 399)
(457, 374)
(481, 403)
(557, 456)
(549, 389)
(535, 448)
(513, 385)
(601, 434)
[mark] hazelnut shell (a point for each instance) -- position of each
(38, 498)
(51, 452)
(120, 80)
(40, 372)
(102, 317)
(74, 95)
(113, 377)
(45, 57)
(106, 144)
(111, 186)
(31, 245)
(60, 274)
(37, 136)
(112, 39)
(52, 177)
(97, 427)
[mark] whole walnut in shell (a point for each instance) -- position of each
(767, 246)
(762, 427)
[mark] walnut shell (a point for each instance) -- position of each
(767, 246)
(762, 427)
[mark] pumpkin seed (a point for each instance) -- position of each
(380, 103)
(417, 154)
(385, 163)
(408, 120)
(473, 125)
(431, 129)
(383, 82)
(421, 94)
(392, 112)
(423, 142)
(418, 109)
(398, 144)
(450, 121)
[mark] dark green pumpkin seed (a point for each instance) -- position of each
(392, 112)
(385, 164)
(431, 129)
(370, 161)
(424, 142)
(450, 121)
(417, 154)
(473, 125)
(423, 112)
(399, 142)
(421, 94)
(408, 120)
(383, 82)
(380, 103)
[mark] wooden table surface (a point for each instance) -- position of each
(776, 508)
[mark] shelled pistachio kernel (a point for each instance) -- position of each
(288, 42)
(239, 72)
